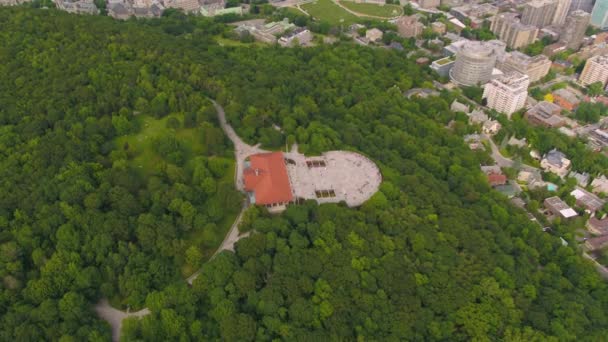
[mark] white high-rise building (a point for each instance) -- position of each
(596, 70)
(561, 11)
(507, 94)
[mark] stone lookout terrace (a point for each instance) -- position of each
(332, 177)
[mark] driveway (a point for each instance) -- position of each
(502, 161)
(241, 149)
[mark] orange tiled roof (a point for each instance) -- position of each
(497, 179)
(267, 178)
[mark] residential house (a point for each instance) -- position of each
(599, 137)
(496, 179)
(597, 243)
(474, 142)
(587, 200)
(597, 226)
(566, 99)
(459, 107)
(477, 116)
(559, 208)
(491, 127)
(521, 143)
(438, 27)
(532, 179)
(556, 162)
(545, 114)
(582, 179)
(600, 185)
(373, 35)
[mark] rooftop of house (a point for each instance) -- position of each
(557, 204)
(497, 179)
(478, 115)
(597, 242)
(567, 95)
(556, 158)
(459, 107)
(581, 178)
(600, 226)
(266, 177)
(599, 183)
(586, 199)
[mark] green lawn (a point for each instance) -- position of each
(327, 11)
(386, 11)
(139, 145)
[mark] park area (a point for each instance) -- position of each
(169, 144)
(375, 10)
(327, 11)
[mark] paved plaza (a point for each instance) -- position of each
(333, 177)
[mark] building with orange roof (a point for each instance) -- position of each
(496, 179)
(266, 180)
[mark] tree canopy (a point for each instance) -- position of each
(434, 255)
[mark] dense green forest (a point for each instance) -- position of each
(112, 167)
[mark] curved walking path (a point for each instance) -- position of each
(115, 316)
(359, 14)
(241, 151)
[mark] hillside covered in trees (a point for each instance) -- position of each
(115, 182)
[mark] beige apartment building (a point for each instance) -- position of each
(510, 30)
(596, 70)
(535, 67)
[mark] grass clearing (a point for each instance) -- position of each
(326, 10)
(143, 156)
(385, 11)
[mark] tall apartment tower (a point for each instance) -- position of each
(561, 10)
(510, 30)
(474, 63)
(574, 31)
(535, 67)
(539, 13)
(596, 70)
(507, 94)
(583, 5)
(599, 15)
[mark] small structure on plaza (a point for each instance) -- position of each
(277, 179)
